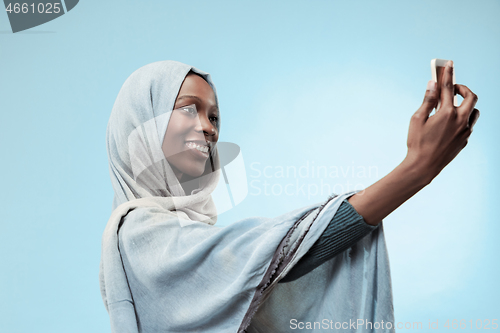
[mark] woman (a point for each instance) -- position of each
(166, 267)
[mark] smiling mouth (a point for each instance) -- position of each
(202, 150)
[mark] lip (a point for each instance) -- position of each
(196, 152)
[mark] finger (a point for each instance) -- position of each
(429, 103)
(470, 100)
(473, 118)
(447, 87)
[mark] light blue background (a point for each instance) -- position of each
(323, 83)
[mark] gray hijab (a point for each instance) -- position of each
(135, 134)
(165, 266)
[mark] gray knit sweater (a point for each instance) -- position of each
(345, 229)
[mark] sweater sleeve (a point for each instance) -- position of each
(345, 229)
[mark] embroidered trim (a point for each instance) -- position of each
(278, 263)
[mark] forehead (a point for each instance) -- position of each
(196, 86)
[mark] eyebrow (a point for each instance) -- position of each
(196, 98)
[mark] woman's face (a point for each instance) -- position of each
(192, 128)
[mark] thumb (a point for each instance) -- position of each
(430, 100)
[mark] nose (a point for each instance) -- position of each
(203, 124)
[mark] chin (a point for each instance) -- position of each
(194, 172)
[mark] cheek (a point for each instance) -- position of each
(175, 135)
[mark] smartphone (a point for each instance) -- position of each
(437, 69)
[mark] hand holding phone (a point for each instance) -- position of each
(437, 69)
(435, 140)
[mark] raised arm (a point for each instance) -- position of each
(433, 142)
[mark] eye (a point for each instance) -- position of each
(190, 109)
(214, 119)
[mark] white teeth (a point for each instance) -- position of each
(200, 148)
